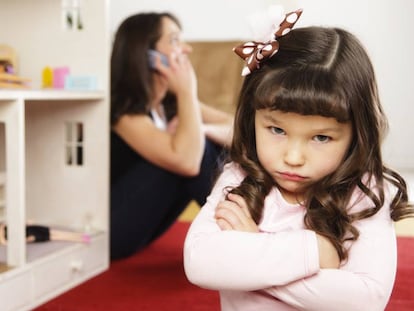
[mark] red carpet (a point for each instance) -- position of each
(154, 280)
(402, 298)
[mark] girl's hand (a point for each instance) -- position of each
(233, 214)
(328, 256)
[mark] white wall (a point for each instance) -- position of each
(384, 26)
(39, 27)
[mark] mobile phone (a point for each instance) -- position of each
(152, 55)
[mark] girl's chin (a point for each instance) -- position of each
(293, 197)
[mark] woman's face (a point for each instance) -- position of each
(171, 40)
(169, 43)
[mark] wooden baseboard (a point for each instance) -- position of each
(405, 227)
(190, 212)
(4, 267)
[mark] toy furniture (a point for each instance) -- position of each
(54, 152)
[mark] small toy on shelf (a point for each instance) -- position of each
(38, 233)
(10, 80)
(47, 77)
(8, 73)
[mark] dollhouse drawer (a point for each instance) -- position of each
(14, 290)
(69, 268)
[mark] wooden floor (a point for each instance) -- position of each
(190, 212)
(4, 267)
(403, 227)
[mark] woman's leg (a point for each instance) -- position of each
(199, 187)
(196, 188)
(147, 200)
(140, 202)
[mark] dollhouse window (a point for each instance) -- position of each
(74, 143)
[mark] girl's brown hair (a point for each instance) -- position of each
(327, 72)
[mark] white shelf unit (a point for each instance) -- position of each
(49, 177)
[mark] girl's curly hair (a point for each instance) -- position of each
(326, 72)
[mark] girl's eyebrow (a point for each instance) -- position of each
(333, 128)
(329, 129)
(269, 117)
(336, 129)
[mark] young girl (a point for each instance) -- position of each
(302, 218)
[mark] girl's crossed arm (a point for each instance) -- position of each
(233, 214)
(240, 260)
(225, 251)
(363, 283)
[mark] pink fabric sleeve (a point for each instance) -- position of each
(244, 261)
(365, 282)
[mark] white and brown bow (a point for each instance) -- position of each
(254, 52)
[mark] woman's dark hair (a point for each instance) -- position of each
(327, 72)
(131, 76)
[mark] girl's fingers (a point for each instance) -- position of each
(229, 212)
(235, 216)
(239, 200)
(223, 224)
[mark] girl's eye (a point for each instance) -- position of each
(321, 138)
(277, 130)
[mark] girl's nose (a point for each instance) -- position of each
(294, 155)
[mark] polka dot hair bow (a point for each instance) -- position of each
(254, 52)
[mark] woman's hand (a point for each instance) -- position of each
(184, 141)
(233, 214)
(179, 74)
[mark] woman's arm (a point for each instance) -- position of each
(217, 125)
(179, 151)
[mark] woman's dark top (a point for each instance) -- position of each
(146, 199)
(123, 157)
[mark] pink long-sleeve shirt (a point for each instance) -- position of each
(278, 268)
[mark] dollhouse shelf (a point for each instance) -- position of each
(52, 94)
(41, 185)
(2, 183)
(52, 268)
(54, 150)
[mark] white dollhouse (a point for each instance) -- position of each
(54, 149)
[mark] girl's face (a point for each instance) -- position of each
(171, 40)
(298, 150)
